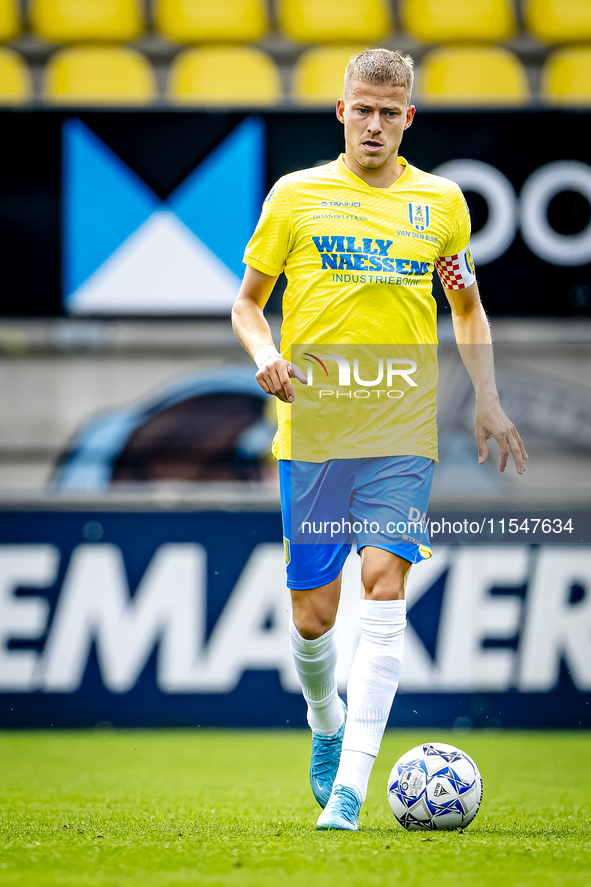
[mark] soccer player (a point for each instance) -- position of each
(358, 240)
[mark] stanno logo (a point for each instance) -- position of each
(338, 203)
(419, 216)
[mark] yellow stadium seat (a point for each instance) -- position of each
(333, 21)
(10, 24)
(72, 21)
(98, 75)
(15, 79)
(566, 76)
(472, 75)
(319, 74)
(440, 21)
(199, 21)
(559, 21)
(224, 75)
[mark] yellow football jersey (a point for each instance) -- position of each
(359, 265)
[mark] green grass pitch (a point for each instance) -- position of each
(212, 807)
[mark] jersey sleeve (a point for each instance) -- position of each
(455, 265)
(459, 232)
(269, 246)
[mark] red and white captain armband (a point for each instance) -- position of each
(456, 272)
(264, 354)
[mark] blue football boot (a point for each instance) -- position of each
(342, 811)
(324, 761)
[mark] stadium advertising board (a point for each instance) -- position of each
(180, 618)
(139, 213)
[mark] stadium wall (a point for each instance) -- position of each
(179, 617)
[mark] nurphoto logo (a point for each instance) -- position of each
(395, 369)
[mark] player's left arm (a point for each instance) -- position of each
(474, 341)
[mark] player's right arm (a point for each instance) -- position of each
(254, 334)
(265, 258)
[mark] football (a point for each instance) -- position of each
(434, 786)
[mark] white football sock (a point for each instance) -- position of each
(373, 682)
(315, 663)
(355, 770)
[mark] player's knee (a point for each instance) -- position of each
(312, 625)
(384, 585)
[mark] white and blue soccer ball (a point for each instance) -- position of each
(434, 786)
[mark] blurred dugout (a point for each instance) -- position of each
(208, 426)
(247, 53)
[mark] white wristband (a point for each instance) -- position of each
(264, 353)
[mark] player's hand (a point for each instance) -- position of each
(274, 375)
(491, 421)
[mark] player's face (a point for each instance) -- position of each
(375, 116)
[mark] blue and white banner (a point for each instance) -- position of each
(148, 212)
(125, 251)
(181, 619)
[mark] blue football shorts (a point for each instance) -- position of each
(328, 506)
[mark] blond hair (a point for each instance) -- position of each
(381, 66)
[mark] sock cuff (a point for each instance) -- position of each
(382, 617)
(311, 647)
(365, 746)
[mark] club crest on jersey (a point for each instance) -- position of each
(419, 216)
